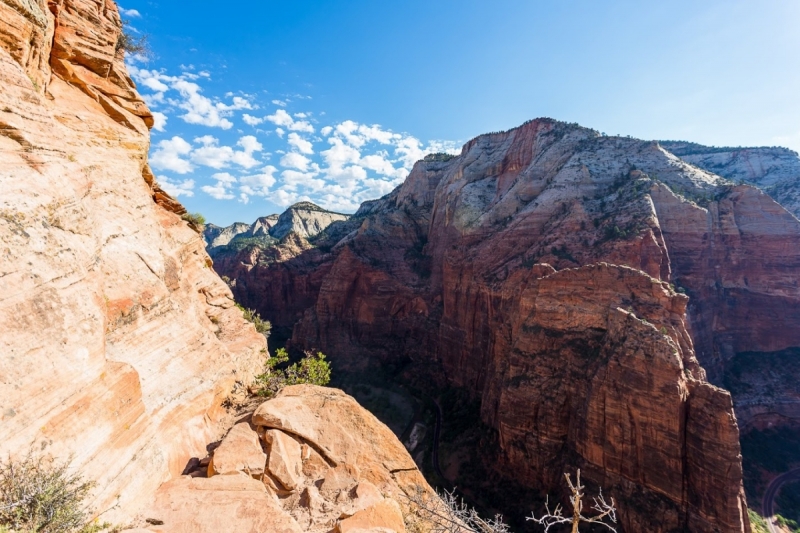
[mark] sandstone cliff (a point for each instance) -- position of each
(544, 270)
(118, 342)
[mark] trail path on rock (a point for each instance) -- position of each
(768, 502)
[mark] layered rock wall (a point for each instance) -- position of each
(119, 342)
(536, 270)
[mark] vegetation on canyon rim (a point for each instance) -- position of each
(312, 369)
(40, 494)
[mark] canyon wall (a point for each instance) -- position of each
(586, 288)
(119, 342)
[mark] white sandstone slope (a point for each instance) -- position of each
(118, 342)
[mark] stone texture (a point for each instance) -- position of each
(539, 261)
(240, 451)
(223, 503)
(109, 350)
(383, 516)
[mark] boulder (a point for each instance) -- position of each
(240, 451)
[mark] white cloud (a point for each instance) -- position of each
(258, 184)
(132, 13)
(222, 189)
(251, 120)
(295, 160)
(159, 121)
(282, 118)
(176, 188)
(301, 145)
(326, 130)
(211, 154)
(280, 103)
(280, 132)
(293, 179)
(168, 156)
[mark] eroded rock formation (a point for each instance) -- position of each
(119, 342)
(543, 269)
(329, 466)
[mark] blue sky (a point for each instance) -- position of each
(263, 103)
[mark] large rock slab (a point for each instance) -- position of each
(240, 451)
(235, 503)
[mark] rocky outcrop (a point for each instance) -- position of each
(118, 342)
(218, 238)
(775, 170)
(304, 219)
(543, 270)
(329, 466)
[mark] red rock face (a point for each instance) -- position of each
(536, 268)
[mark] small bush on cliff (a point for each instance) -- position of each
(262, 326)
(195, 220)
(312, 369)
(129, 44)
(39, 494)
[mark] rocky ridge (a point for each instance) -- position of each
(775, 170)
(525, 268)
(304, 219)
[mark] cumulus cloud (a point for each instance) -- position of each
(295, 160)
(169, 155)
(177, 188)
(250, 120)
(284, 119)
(358, 162)
(221, 190)
(197, 108)
(258, 184)
(159, 121)
(301, 145)
(211, 154)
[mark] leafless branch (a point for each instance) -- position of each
(606, 512)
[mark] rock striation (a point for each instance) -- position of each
(329, 466)
(119, 343)
(546, 269)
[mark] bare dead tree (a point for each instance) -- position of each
(605, 512)
(447, 513)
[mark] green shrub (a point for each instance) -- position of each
(195, 220)
(311, 369)
(39, 494)
(262, 326)
(759, 525)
